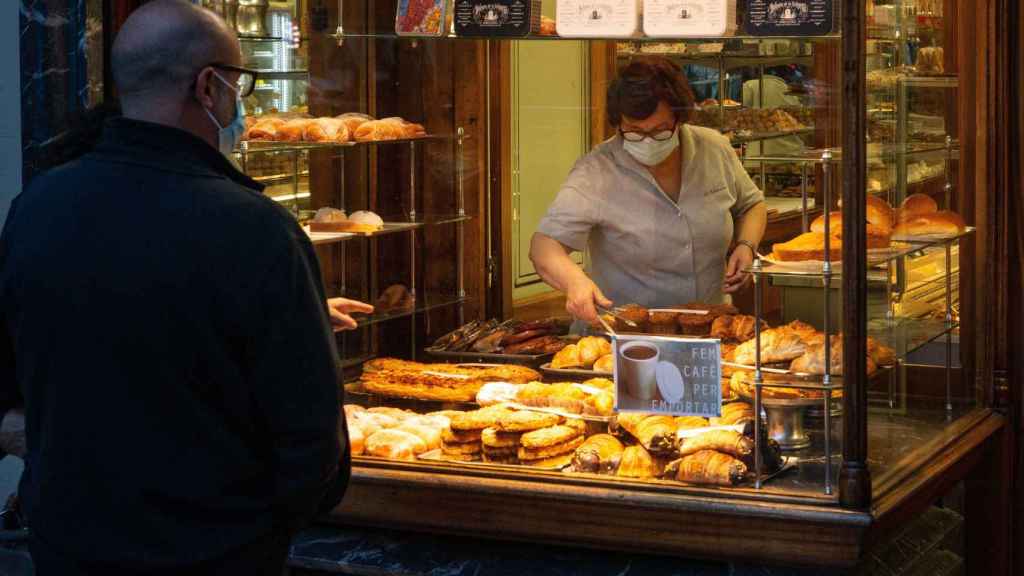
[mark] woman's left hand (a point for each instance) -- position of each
(341, 308)
(735, 278)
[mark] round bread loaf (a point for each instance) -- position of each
(916, 205)
(945, 223)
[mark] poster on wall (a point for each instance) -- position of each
(789, 17)
(668, 375)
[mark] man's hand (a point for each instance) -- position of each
(582, 297)
(735, 278)
(341, 308)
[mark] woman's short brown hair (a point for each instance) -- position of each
(642, 84)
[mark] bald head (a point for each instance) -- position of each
(163, 45)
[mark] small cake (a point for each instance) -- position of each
(695, 324)
(664, 322)
(635, 313)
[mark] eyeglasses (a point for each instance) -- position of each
(635, 136)
(246, 77)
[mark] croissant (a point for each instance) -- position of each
(777, 345)
(881, 354)
(264, 129)
(637, 462)
(734, 413)
(375, 130)
(599, 453)
(353, 121)
(689, 422)
(605, 364)
(325, 130)
(708, 467)
(813, 361)
(726, 441)
(395, 445)
(657, 433)
(292, 130)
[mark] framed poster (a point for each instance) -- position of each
(668, 375)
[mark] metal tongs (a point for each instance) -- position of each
(613, 314)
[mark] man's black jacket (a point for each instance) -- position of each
(166, 328)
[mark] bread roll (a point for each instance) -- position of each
(395, 445)
(293, 130)
(378, 130)
(879, 212)
(353, 121)
(916, 205)
(943, 223)
(264, 129)
(356, 439)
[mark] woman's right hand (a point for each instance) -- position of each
(582, 299)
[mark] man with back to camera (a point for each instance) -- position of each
(164, 325)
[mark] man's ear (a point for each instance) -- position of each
(203, 91)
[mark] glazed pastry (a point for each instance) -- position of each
(370, 423)
(726, 441)
(801, 329)
(292, 130)
(777, 345)
(547, 437)
(605, 364)
(599, 453)
(396, 413)
(600, 384)
(546, 452)
(264, 128)
(654, 432)
(525, 421)
(877, 236)
(395, 445)
(461, 392)
(637, 462)
(708, 467)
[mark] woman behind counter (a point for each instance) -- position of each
(657, 206)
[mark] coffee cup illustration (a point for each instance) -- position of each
(638, 367)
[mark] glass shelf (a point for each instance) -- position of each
(759, 137)
(424, 303)
(814, 155)
(393, 225)
(899, 248)
(907, 335)
(391, 35)
(265, 146)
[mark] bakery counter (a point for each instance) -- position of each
(927, 542)
(915, 456)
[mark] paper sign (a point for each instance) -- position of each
(668, 375)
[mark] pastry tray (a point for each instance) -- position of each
(574, 372)
(490, 357)
(437, 455)
(934, 238)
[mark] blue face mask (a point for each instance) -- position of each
(229, 136)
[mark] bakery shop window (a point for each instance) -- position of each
(378, 144)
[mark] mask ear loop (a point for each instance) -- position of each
(235, 89)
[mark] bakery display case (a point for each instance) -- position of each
(841, 399)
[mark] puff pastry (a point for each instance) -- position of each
(568, 357)
(599, 453)
(777, 345)
(431, 437)
(708, 467)
(605, 364)
(478, 419)
(467, 448)
(726, 441)
(560, 461)
(463, 393)
(654, 432)
(735, 328)
(690, 422)
(637, 462)
(592, 348)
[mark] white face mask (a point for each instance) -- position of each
(229, 136)
(651, 152)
